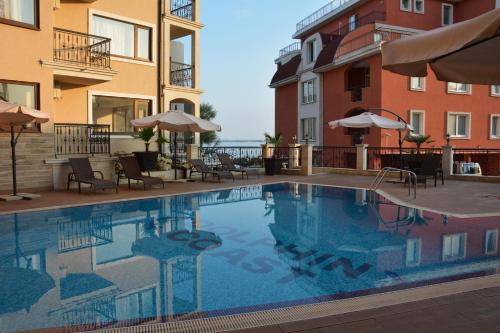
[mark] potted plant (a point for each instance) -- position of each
(273, 165)
(147, 159)
(418, 140)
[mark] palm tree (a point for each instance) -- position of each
(207, 112)
(419, 140)
(273, 140)
(145, 134)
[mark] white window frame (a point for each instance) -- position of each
(419, 255)
(451, 91)
(453, 258)
(126, 19)
(487, 232)
(412, 88)
(405, 9)
(311, 47)
(309, 99)
(422, 124)
(494, 137)
(353, 22)
(492, 90)
(415, 7)
(315, 124)
(452, 13)
(468, 125)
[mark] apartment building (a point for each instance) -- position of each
(334, 71)
(94, 65)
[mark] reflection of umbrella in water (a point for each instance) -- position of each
(20, 288)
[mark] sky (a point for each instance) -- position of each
(239, 43)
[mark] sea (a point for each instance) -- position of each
(239, 143)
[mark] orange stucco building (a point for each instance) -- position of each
(335, 71)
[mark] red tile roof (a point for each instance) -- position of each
(287, 70)
(327, 54)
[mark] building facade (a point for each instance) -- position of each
(334, 71)
(94, 65)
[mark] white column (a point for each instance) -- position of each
(447, 162)
(361, 157)
(293, 155)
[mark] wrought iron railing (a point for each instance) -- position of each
(381, 157)
(290, 156)
(81, 49)
(181, 75)
(82, 139)
(248, 157)
(334, 157)
(182, 8)
(319, 14)
(290, 48)
(80, 234)
(465, 161)
(234, 195)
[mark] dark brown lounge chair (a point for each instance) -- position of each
(132, 171)
(228, 165)
(83, 174)
(198, 166)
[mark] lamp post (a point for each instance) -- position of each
(448, 139)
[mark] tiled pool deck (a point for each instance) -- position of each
(472, 309)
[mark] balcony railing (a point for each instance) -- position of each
(319, 14)
(76, 48)
(181, 75)
(182, 8)
(82, 139)
(372, 38)
(289, 49)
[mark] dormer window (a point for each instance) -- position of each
(353, 19)
(312, 52)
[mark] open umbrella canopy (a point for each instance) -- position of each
(465, 52)
(368, 119)
(177, 121)
(21, 288)
(18, 115)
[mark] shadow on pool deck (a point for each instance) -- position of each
(455, 197)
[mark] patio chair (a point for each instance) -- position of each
(198, 166)
(228, 165)
(82, 173)
(430, 167)
(132, 171)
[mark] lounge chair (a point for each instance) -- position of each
(198, 166)
(228, 165)
(83, 174)
(132, 171)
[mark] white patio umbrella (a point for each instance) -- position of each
(16, 117)
(176, 121)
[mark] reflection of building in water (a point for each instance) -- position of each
(98, 279)
(335, 238)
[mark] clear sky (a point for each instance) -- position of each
(239, 43)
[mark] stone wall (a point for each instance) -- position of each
(31, 152)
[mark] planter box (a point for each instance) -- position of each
(148, 160)
(273, 166)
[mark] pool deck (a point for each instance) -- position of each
(464, 310)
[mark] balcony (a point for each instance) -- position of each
(321, 14)
(292, 48)
(182, 9)
(181, 75)
(82, 139)
(80, 58)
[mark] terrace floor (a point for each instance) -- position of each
(471, 311)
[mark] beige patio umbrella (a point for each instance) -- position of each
(176, 121)
(465, 52)
(15, 117)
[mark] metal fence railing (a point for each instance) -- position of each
(248, 157)
(466, 161)
(181, 75)
(334, 157)
(82, 139)
(182, 8)
(382, 157)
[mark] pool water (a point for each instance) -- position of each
(222, 252)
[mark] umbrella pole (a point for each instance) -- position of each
(13, 142)
(400, 156)
(175, 154)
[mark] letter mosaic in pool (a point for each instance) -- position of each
(223, 252)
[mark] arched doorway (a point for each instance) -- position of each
(357, 77)
(184, 138)
(357, 134)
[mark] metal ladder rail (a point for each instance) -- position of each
(381, 175)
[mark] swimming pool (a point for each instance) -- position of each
(223, 252)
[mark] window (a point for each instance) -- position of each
(22, 93)
(417, 83)
(118, 112)
(127, 39)
(454, 247)
(413, 250)
(353, 19)
(491, 241)
(19, 12)
(495, 91)
(417, 121)
(459, 125)
(308, 92)
(459, 88)
(405, 5)
(495, 126)
(308, 126)
(311, 51)
(446, 14)
(418, 6)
